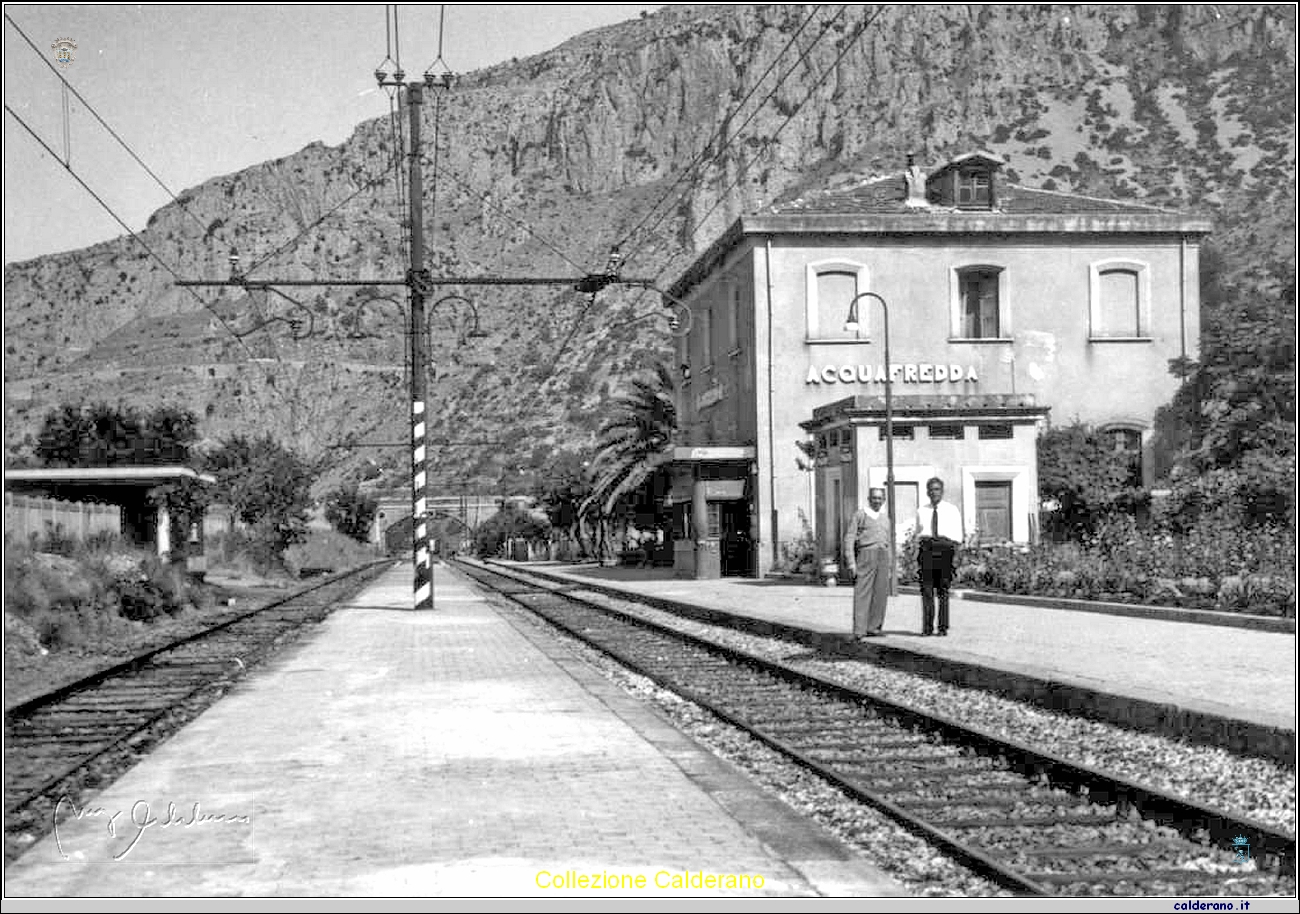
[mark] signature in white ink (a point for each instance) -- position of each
(139, 820)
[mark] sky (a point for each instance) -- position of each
(199, 91)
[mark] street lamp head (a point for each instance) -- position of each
(851, 324)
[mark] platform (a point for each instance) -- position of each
(1232, 686)
(443, 753)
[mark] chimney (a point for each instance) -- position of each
(915, 183)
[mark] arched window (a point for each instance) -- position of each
(979, 304)
(1120, 296)
(832, 286)
(1126, 442)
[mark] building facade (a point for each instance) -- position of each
(1008, 309)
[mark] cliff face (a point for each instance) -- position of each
(653, 134)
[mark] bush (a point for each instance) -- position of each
(512, 522)
(76, 599)
(351, 512)
(326, 550)
(1209, 566)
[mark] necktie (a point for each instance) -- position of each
(934, 520)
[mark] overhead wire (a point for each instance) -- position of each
(720, 132)
(68, 87)
(577, 323)
(487, 200)
(379, 179)
(803, 56)
(398, 130)
(148, 250)
(826, 26)
(848, 45)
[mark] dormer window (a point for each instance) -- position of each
(967, 182)
(974, 188)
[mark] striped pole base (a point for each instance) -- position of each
(420, 526)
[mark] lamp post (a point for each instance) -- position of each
(851, 324)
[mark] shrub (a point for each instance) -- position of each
(1210, 566)
(800, 553)
(327, 550)
(510, 522)
(351, 512)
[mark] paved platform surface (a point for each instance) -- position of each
(444, 753)
(1234, 673)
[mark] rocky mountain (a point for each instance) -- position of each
(651, 136)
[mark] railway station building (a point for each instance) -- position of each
(1008, 309)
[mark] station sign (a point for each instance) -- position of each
(907, 373)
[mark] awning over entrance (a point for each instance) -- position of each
(697, 454)
(914, 407)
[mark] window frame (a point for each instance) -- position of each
(707, 341)
(1099, 268)
(812, 305)
(1139, 452)
(733, 288)
(957, 303)
(1024, 492)
(1007, 485)
(970, 177)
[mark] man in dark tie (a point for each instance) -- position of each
(939, 533)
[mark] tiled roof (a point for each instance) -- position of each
(888, 195)
(874, 195)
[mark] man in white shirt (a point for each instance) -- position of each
(939, 533)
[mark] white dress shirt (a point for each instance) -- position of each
(949, 521)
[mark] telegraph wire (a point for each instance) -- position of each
(433, 175)
(827, 24)
(803, 56)
(379, 179)
(848, 45)
(718, 134)
(150, 251)
(464, 183)
(68, 87)
(398, 131)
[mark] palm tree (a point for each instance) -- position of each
(635, 444)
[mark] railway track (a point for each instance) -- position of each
(1028, 821)
(87, 732)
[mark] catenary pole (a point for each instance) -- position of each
(423, 584)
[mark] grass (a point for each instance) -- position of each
(62, 594)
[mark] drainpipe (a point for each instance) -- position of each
(771, 438)
(1182, 307)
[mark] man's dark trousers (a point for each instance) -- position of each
(935, 559)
